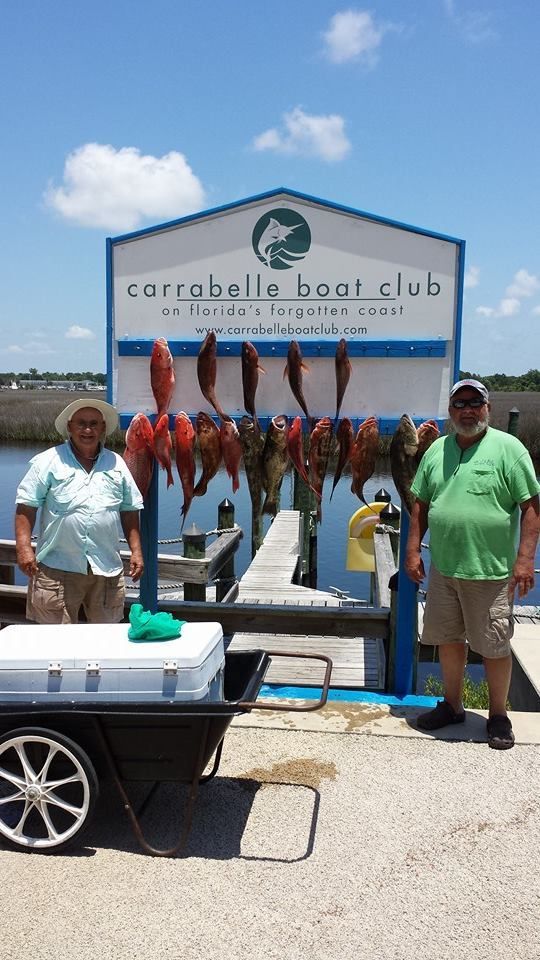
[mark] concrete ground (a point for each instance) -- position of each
(344, 834)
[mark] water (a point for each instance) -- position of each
(332, 532)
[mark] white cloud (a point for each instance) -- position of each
(353, 35)
(79, 333)
(508, 307)
(475, 26)
(472, 277)
(536, 311)
(117, 189)
(13, 348)
(485, 311)
(307, 135)
(523, 285)
(32, 346)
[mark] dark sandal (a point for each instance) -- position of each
(499, 733)
(441, 716)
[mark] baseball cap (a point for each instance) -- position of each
(473, 385)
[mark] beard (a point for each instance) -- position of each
(473, 429)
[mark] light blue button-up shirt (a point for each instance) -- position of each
(80, 511)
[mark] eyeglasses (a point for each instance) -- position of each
(475, 403)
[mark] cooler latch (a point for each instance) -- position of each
(55, 668)
(93, 668)
(170, 668)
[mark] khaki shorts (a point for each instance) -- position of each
(476, 611)
(56, 596)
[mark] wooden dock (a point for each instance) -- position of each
(359, 662)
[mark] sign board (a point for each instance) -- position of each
(285, 266)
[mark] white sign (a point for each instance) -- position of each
(287, 267)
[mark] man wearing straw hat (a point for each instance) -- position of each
(86, 494)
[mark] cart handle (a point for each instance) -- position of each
(256, 705)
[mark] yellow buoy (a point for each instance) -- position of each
(360, 547)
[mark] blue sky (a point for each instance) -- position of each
(122, 114)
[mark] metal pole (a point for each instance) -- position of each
(149, 540)
(194, 541)
(406, 628)
(226, 574)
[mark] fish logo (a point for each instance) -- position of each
(281, 238)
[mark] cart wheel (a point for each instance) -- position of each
(48, 789)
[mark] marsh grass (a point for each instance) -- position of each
(475, 692)
(29, 415)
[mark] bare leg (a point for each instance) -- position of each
(453, 657)
(498, 674)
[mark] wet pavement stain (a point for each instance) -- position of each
(303, 771)
(354, 717)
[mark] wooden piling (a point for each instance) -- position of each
(194, 541)
(513, 421)
(226, 575)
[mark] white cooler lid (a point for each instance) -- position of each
(34, 646)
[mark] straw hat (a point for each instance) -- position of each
(108, 413)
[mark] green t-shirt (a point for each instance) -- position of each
(473, 498)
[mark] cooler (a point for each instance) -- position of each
(95, 662)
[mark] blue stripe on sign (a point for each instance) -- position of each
(142, 347)
(387, 425)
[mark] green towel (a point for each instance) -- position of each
(146, 626)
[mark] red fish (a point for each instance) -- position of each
(344, 437)
(295, 449)
(364, 455)
(231, 449)
(184, 435)
(426, 433)
(343, 373)
(206, 372)
(163, 446)
(250, 377)
(320, 443)
(293, 370)
(162, 375)
(210, 447)
(139, 452)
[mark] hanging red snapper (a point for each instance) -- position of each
(163, 446)
(427, 432)
(139, 453)
(343, 373)
(250, 377)
(184, 435)
(364, 455)
(344, 437)
(231, 450)
(320, 442)
(206, 372)
(295, 449)
(210, 448)
(162, 375)
(293, 370)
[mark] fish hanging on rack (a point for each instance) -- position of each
(294, 369)
(206, 372)
(250, 377)
(139, 452)
(184, 435)
(364, 456)
(274, 461)
(231, 450)
(345, 439)
(252, 441)
(403, 454)
(320, 443)
(343, 374)
(295, 449)
(162, 377)
(163, 446)
(427, 432)
(210, 450)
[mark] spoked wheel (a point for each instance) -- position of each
(48, 789)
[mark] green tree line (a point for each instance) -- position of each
(502, 382)
(50, 375)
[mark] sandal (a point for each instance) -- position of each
(441, 716)
(499, 733)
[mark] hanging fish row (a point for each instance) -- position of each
(265, 457)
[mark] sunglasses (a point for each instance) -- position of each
(475, 403)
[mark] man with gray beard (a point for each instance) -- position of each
(477, 492)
